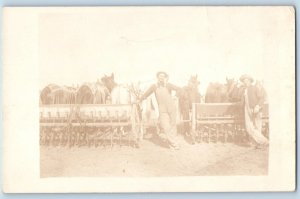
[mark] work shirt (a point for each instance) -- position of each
(163, 94)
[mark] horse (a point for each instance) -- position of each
(216, 93)
(187, 96)
(92, 93)
(45, 98)
(119, 93)
(125, 94)
(62, 95)
(235, 90)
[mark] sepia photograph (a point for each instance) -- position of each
(153, 96)
(162, 93)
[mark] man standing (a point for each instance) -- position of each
(253, 101)
(166, 106)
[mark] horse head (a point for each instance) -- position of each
(109, 81)
(230, 83)
(194, 82)
(234, 90)
(216, 93)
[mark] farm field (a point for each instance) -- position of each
(154, 159)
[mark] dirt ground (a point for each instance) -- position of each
(154, 159)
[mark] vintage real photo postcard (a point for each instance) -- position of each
(149, 99)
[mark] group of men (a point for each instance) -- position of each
(252, 100)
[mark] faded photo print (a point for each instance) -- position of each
(143, 93)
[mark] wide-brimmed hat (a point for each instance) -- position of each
(161, 72)
(245, 76)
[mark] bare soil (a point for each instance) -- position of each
(154, 159)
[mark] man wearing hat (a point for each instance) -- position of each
(253, 102)
(166, 106)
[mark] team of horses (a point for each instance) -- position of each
(108, 91)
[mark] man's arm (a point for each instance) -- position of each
(173, 87)
(148, 92)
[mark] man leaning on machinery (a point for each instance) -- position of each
(166, 107)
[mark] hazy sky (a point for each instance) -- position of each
(135, 43)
